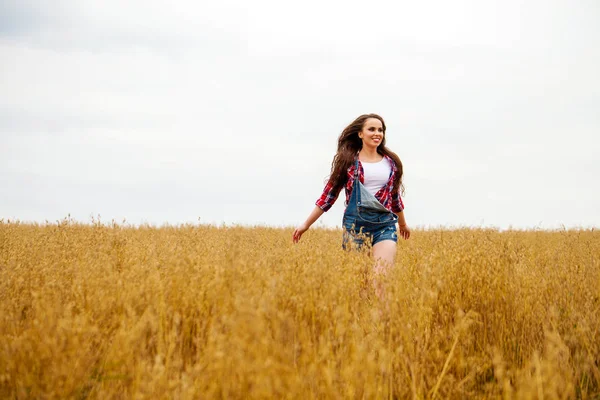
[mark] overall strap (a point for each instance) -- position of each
(356, 184)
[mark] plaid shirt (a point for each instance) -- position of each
(391, 201)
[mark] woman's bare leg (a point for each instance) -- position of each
(384, 253)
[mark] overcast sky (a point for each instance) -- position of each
(229, 112)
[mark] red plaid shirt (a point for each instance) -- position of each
(391, 201)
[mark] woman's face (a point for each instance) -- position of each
(371, 133)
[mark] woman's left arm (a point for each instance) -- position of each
(398, 209)
(403, 228)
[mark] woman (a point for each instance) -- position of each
(373, 202)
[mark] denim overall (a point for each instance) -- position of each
(365, 218)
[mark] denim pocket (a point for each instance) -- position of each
(349, 224)
(376, 217)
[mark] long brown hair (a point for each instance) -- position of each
(349, 144)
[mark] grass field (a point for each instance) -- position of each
(107, 311)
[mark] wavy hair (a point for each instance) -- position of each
(349, 144)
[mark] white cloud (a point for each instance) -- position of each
(169, 112)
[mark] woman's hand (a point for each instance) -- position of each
(299, 231)
(314, 215)
(404, 231)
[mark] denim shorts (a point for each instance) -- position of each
(366, 220)
(358, 233)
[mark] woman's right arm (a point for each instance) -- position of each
(314, 215)
(323, 204)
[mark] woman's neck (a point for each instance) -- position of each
(369, 154)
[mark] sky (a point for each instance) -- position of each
(226, 113)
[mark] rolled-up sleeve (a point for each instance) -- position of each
(328, 198)
(397, 204)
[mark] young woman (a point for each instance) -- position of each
(371, 175)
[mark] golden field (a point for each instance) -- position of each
(106, 311)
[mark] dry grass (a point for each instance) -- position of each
(205, 312)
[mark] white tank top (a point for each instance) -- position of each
(376, 175)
